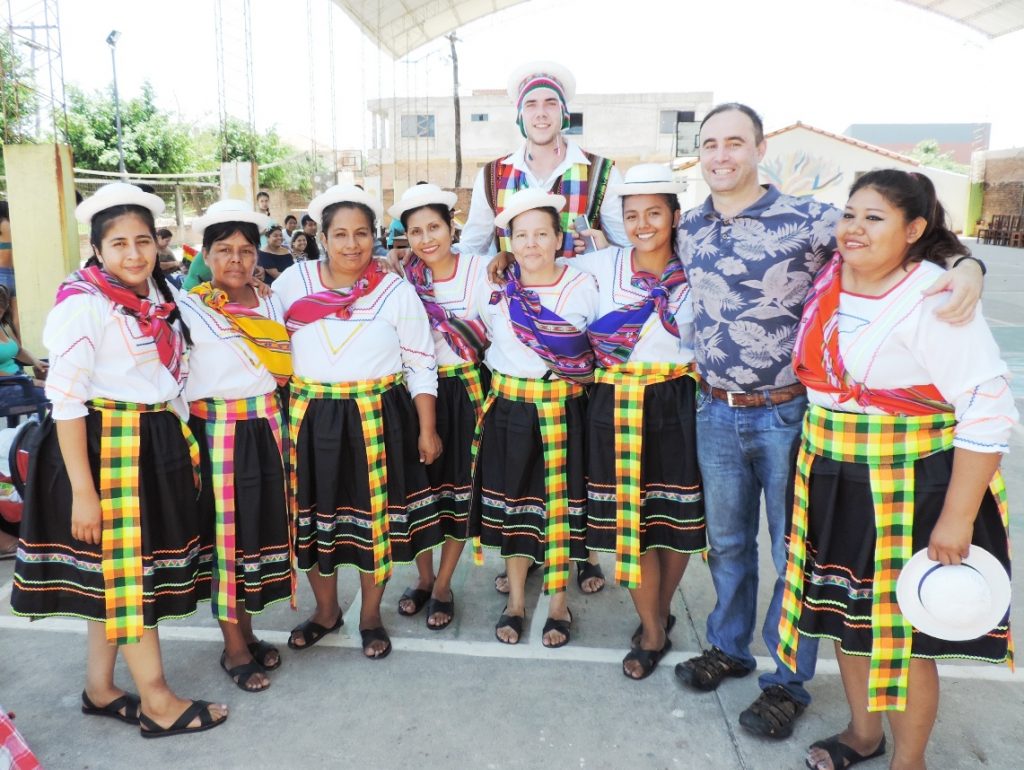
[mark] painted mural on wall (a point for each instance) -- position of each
(801, 173)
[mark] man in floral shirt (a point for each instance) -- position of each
(750, 254)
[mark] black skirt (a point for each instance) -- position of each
(672, 504)
(262, 566)
(57, 575)
(509, 499)
(450, 475)
(333, 494)
(840, 564)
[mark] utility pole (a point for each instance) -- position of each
(458, 110)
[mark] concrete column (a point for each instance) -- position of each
(44, 233)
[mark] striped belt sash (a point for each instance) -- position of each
(630, 380)
(889, 446)
(549, 397)
(121, 540)
(221, 416)
(367, 396)
(469, 373)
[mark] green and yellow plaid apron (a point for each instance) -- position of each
(121, 506)
(889, 446)
(367, 395)
(220, 416)
(630, 380)
(548, 397)
(469, 373)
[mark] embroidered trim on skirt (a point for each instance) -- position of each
(333, 527)
(509, 496)
(840, 556)
(56, 575)
(451, 474)
(262, 558)
(672, 502)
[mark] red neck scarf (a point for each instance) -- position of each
(820, 367)
(336, 302)
(151, 317)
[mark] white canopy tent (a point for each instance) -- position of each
(992, 18)
(400, 26)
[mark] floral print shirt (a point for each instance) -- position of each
(749, 276)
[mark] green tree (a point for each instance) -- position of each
(291, 169)
(154, 143)
(928, 153)
(18, 100)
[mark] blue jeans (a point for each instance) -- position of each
(742, 452)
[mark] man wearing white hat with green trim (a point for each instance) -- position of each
(548, 161)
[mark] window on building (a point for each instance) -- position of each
(669, 119)
(479, 117)
(575, 123)
(417, 126)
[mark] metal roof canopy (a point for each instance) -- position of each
(992, 18)
(401, 26)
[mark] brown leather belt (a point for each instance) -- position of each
(741, 398)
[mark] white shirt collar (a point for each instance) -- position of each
(573, 155)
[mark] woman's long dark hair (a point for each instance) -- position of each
(914, 195)
(99, 226)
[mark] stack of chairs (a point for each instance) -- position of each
(1003, 230)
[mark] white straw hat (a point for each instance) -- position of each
(530, 70)
(117, 194)
(230, 210)
(954, 602)
(343, 193)
(525, 200)
(421, 195)
(647, 179)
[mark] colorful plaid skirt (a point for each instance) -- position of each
(840, 566)
(671, 501)
(509, 510)
(57, 575)
(460, 393)
(261, 522)
(334, 526)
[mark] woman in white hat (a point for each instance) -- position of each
(240, 355)
(111, 530)
(448, 284)
(361, 346)
(644, 493)
(901, 447)
(529, 477)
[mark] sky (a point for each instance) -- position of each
(828, 63)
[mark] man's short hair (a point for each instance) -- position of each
(737, 107)
(163, 232)
(307, 218)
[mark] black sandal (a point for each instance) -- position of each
(840, 753)
(515, 622)
(435, 606)
(418, 596)
(131, 704)
(241, 675)
(199, 708)
(648, 660)
(561, 626)
(634, 640)
(312, 632)
(585, 571)
(261, 650)
(371, 635)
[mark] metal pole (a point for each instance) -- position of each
(458, 111)
(117, 113)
